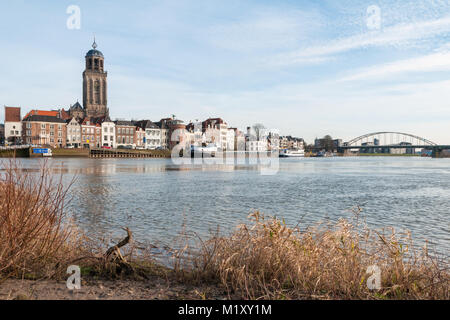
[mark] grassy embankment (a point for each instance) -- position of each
(264, 259)
(70, 153)
(85, 152)
(13, 153)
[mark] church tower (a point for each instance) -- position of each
(95, 84)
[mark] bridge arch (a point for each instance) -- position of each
(390, 136)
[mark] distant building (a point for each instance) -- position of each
(73, 133)
(13, 125)
(44, 130)
(322, 143)
(108, 133)
(216, 131)
(164, 126)
(289, 142)
(152, 134)
(125, 134)
(139, 138)
(252, 144)
(90, 134)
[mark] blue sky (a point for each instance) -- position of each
(307, 68)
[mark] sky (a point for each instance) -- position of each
(306, 68)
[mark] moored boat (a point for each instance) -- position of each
(292, 153)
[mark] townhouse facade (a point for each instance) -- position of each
(90, 134)
(108, 133)
(73, 133)
(44, 130)
(125, 134)
(153, 137)
(139, 138)
(216, 131)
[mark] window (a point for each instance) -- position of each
(28, 132)
(59, 127)
(52, 133)
(105, 138)
(42, 125)
(111, 138)
(28, 125)
(97, 91)
(52, 126)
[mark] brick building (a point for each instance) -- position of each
(44, 130)
(13, 125)
(125, 133)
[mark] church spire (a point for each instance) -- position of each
(94, 45)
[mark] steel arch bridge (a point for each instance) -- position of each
(389, 139)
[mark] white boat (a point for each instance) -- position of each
(48, 153)
(292, 153)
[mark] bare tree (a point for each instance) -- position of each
(258, 128)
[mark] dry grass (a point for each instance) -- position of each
(36, 238)
(269, 260)
(264, 260)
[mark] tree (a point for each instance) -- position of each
(327, 143)
(258, 128)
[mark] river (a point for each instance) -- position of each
(155, 197)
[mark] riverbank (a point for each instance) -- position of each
(156, 288)
(85, 153)
(262, 259)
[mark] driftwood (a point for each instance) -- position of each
(114, 253)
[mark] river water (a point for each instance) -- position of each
(155, 197)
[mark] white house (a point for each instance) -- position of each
(108, 133)
(73, 133)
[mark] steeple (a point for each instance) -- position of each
(95, 83)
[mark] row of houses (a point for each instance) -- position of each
(58, 129)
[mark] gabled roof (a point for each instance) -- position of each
(146, 124)
(77, 106)
(43, 118)
(53, 113)
(124, 123)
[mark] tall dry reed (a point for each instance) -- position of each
(269, 260)
(35, 235)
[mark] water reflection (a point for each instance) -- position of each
(153, 196)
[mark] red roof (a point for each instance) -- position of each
(42, 113)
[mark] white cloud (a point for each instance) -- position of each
(397, 35)
(434, 62)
